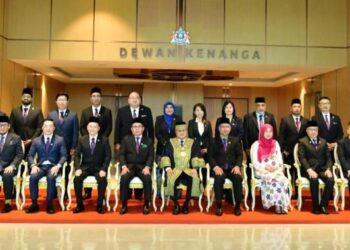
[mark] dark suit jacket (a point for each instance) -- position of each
(31, 127)
(251, 128)
(105, 120)
(69, 129)
(99, 160)
(2, 113)
(344, 154)
(124, 119)
(233, 155)
(57, 153)
(204, 139)
(169, 152)
(129, 156)
(335, 132)
(319, 159)
(12, 152)
(236, 128)
(288, 133)
(162, 133)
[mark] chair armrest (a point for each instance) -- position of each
(117, 171)
(63, 175)
(287, 167)
(19, 170)
(297, 166)
(251, 165)
(154, 171)
(206, 166)
(26, 170)
(244, 167)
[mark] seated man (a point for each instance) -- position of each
(92, 158)
(225, 158)
(344, 153)
(316, 162)
(52, 154)
(136, 159)
(11, 155)
(180, 161)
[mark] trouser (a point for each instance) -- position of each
(34, 184)
(187, 180)
(8, 184)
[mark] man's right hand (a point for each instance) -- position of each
(117, 147)
(27, 142)
(35, 170)
(348, 173)
(125, 170)
(312, 174)
(218, 170)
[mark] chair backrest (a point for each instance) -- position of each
(295, 154)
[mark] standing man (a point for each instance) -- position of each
(136, 159)
(51, 155)
(92, 158)
(26, 121)
(125, 116)
(316, 162)
(11, 155)
(105, 120)
(225, 158)
(292, 128)
(67, 126)
(330, 127)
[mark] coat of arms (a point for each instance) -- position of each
(180, 37)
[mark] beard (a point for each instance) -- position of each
(26, 102)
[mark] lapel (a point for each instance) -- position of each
(52, 143)
(7, 141)
(255, 120)
(129, 113)
(323, 122)
(141, 112)
(292, 124)
(102, 111)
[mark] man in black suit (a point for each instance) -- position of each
(125, 115)
(136, 159)
(316, 161)
(67, 126)
(292, 128)
(11, 154)
(254, 120)
(225, 158)
(26, 121)
(105, 120)
(92, 158)
(330, 127)
(344, 154)
(46, 157)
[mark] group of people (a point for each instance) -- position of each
(181, 150)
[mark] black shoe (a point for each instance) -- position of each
(219, 212)
(65, 198)
(237, 210)
(145, 209)
(78, 209)
(185, 209)
(100, 210)
(316, 211)
(7, 208)
(123, 210)
(176, 209)
(324, 210)
(87, 195)
(32, 209)
(50, 209)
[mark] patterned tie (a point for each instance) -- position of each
(47, 144)
(96, 112)
(2, 142)
(297, 123)
(224, 142)
(25, 113)
(327, 122)
(261, 122)
(61, 117)
(138, 144)
(182, 143)
(134, 115)
(92, 145)
(314, 142)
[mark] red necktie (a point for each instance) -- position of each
(297, 124)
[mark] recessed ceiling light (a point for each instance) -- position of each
(50, 74)
(230, 84)
(296, 79)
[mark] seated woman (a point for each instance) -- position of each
(267, 160)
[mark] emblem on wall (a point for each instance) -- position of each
(180, 37)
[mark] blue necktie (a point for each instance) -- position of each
(47, 144)
(2, 142)
(138, 144)
(92, 145)
(224, 142)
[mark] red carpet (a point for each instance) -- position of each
(135, 216)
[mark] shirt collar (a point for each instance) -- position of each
(4, 135)
(132, 109)
(296, 116)
(326, 113)
(62, 110)
(26, 106)
(260, 113)
(98, 108)
(47, 136)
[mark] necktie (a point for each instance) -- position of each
(297, 123)
(314, 142)
(134, 115)
(182, 143)
(138, 144)
(327, 122)
(2, 142)
(224, 142)
(25, 114)
(96, 112)
(61, 116)
(92, 145)
(47, 144)
(261, 122)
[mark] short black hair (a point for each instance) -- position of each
(134, 91)
(62, 94)
(50, 120)
(324, 98)
(203, 108)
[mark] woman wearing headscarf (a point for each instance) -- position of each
(229, 111)
(268, 163)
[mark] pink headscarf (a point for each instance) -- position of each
(266, 146)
